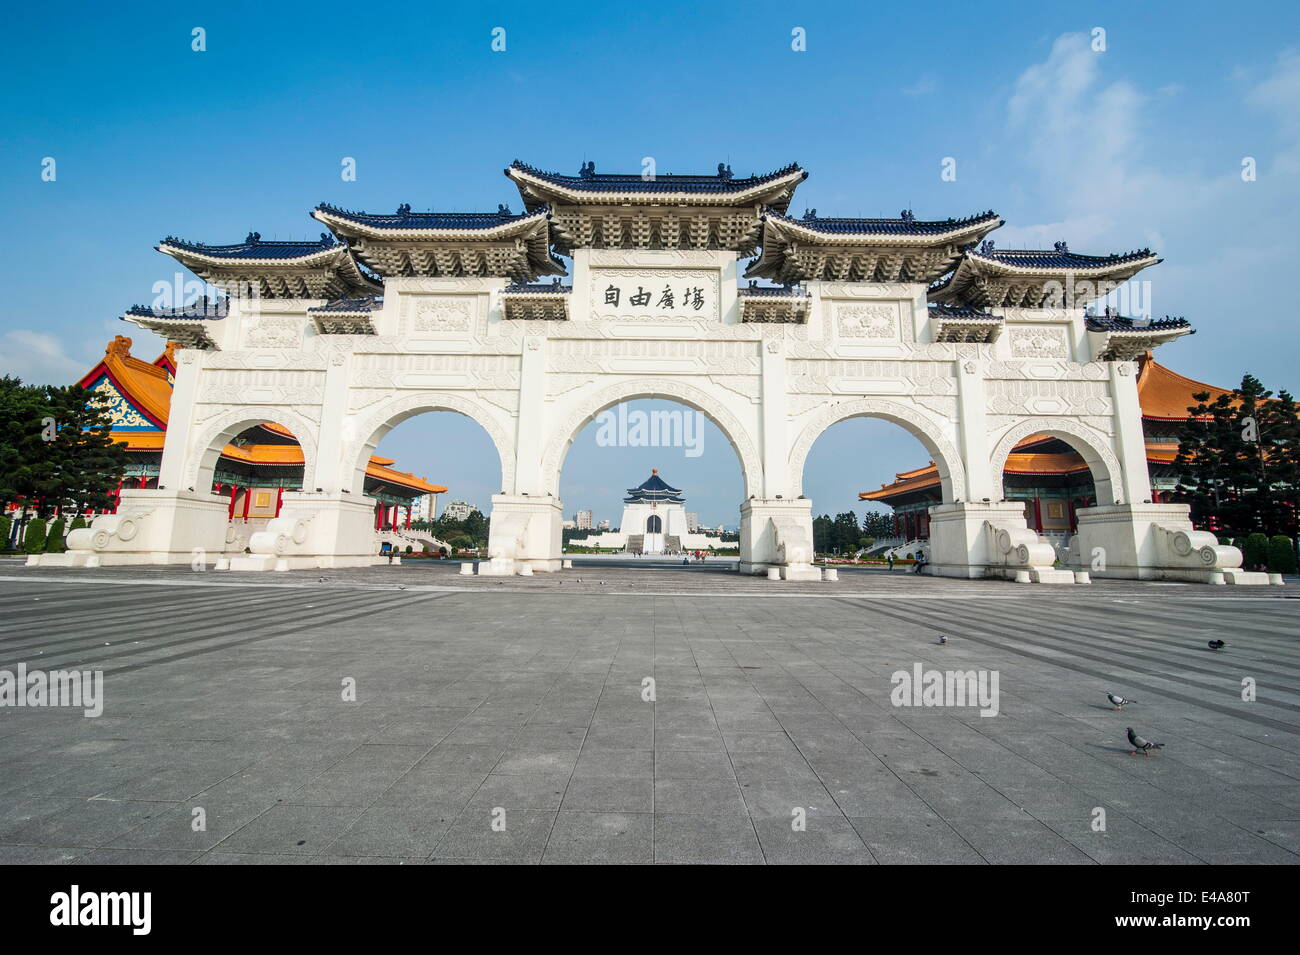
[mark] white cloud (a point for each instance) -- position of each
(38, 358)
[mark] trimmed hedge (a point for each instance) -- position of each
(54, 540)
(1281, 555)
(6, 528)
(34, 540)
(1255, 552)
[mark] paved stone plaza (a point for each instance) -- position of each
(224, 692)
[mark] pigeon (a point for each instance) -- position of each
(942, 639)
(1217, 644)
(1118, 701)
(1144, 745)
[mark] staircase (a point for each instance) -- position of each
(635, 544)
(672, 543)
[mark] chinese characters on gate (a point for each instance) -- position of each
(690, 298)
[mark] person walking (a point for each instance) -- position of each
(891, 560)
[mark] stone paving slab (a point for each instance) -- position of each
(504, 721)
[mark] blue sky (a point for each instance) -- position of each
(1139, 145)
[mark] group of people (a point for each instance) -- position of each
(697, 555)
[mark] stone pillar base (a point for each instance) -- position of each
(151, 526)
(1154, 542)
(974, 540)
(777, 533)
(525, 531)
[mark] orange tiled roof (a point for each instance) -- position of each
(1167, 395)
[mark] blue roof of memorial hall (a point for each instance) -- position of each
(905, 224)
(253, 247)
(588, 180)
(404, 218)
(654, 490)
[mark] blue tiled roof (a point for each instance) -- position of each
(365, 303)
(404, 218)
(654, 483)
(1059, 259)
(254, 248)
(958, 311)
(554, 287)
(591, 181)
(1120, 324)
(905, 225)
(774, 291)
(199, 310)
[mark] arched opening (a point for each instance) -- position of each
(429, 476)
(251, 465)
(868, 503)
(1054, 473)
(651, 479)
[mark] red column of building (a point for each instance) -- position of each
(144, 481)
(248, 499)
(234, 492)
(1038, 514)
(408, 517)
(117, 496)
(279, 499)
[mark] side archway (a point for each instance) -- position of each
(947, 459)
(366, 435)
(1092, 446)
(215, 433)
(564, 434)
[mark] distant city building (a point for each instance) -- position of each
(458, 510)
(603, 525)
(582, 520)
(426, 508)
(692, 521)
(568, 525)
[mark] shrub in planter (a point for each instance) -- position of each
(409, 548)
(6, 528)
(1255, 553)
(78, 523)
(54, 540)
(1281, 555)
(34, 540)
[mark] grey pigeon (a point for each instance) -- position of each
(1143, 745)
(942, 639)
(1118, 701)
(1217, 644)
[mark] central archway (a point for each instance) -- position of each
(562, 436)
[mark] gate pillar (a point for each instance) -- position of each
(524, 531)
(776, 533)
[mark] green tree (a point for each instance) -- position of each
(55, 449)
(6, 528)
(1239, 460)
(34, 541)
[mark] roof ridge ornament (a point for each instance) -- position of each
(986, 247)
(907, 216)
(724, 171)
(588, 170)
(252, 237)
(404, 209)
(503, 210)
(809, 215)
(1061, 246)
